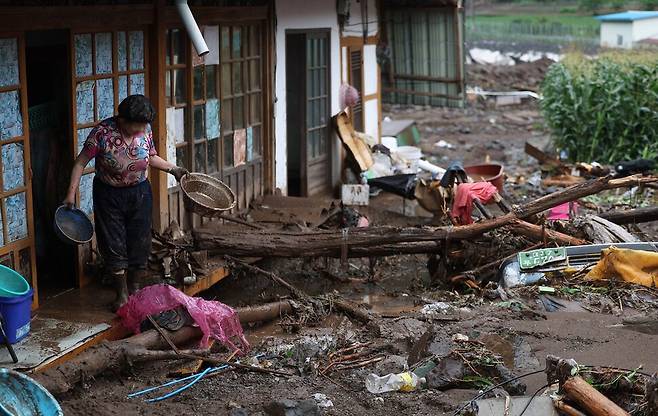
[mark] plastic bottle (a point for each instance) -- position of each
(406, 381)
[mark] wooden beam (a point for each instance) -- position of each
(80, 17)
(428, 78)
(213, 15)
(358, 40)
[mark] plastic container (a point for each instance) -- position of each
(410, 155)
(73, 226)
(12, 283)
(16, 313)
(390, 142)
(20, 395)
(406, 381)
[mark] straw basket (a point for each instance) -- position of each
(205, 195)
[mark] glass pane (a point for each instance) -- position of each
(257, 145)
(25, 263)
(200, 157)
(8, 260)
(228, 151)
(84, 98)
(181, 156)
(226, 44)
(82, 137)
(136, 48)
(82, 54)
(199, 122)
(227, 115)
(137, 84)
(198, 82)
(250, 144)
(211, 81)
(122, 51)
(212, 119)
(254, 40)
(256, 109)
(178, 38)
(226, 80)
(179, 86)
(12, 166)
(238, 113)
(237, 77)
(105, 98)
(103, 53)
(16, 217)
(8, 62)
(86, 192)
(323, 81)
(123, 87)
(254, 75)
(11, 122)
(168, 88)
(213, 149)
(236, 42)
(168, 48)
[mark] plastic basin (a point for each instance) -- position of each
(492, 173)
(12, 283)
(20, 395)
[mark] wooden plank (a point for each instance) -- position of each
(213, 15)
(423, 94)
(356, 41)
(96, 18)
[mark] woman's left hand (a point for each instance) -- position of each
(178, 172)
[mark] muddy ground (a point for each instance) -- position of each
(519, 331)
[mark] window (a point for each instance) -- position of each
(109, 66)
(620, 40)
(224, 103)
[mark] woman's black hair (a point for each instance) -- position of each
(137, 108)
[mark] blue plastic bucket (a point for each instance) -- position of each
(12, 283)
(16, 312)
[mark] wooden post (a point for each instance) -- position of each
(157, 51)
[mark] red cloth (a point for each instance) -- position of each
(462, 204)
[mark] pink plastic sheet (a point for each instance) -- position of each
(215, 319)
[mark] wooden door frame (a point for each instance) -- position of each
(362, 97)
(303, 160)
(29, 242)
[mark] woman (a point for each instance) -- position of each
(123, 149)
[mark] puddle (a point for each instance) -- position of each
(387, 305)
(515, 352)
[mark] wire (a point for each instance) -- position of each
(487, 391)
(527, 405)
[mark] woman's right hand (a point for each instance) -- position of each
(69, 201)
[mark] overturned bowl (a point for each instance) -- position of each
(73, 226)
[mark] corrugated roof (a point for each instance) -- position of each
(629, 16)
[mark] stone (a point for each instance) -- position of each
(288, 407)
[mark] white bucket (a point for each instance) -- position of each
(410, 155)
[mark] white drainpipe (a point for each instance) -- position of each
(191, 27)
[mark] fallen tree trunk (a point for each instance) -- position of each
(632, 216)
(539, 233)
(115, 355)
(366, 242)
(590, 399)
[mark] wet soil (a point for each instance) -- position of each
(522, 337)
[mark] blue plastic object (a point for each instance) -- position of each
(73, 226)
(12, 283)
(22, 396)
(16, 313)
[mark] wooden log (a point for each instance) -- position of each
(364, 242)
(567, 409)
(593, 402)
(539, 233)
(632, 216)
(266, 312)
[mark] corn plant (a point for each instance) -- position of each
(603, 109)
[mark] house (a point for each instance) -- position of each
(626, 29)
(254, 112)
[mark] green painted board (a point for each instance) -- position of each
(536, 258)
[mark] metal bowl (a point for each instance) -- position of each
(73, 226)
(206, 195)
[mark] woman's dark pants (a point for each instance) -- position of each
(123, 225)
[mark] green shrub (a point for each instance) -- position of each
(603, 109)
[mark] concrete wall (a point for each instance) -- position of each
(302, 14)
(645, 28)
(610, 31)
